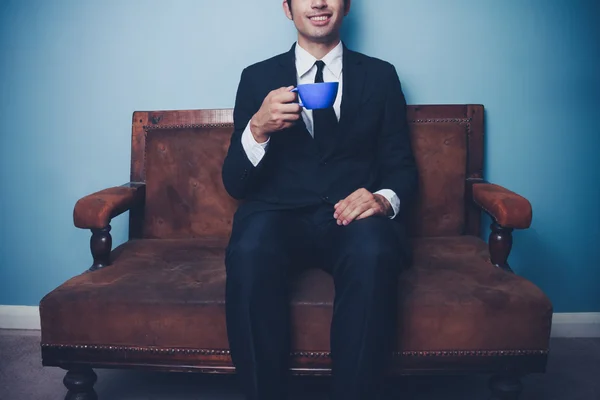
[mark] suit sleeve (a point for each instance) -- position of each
(397, 165)
(239, 173)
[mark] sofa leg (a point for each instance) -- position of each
(500, 244)
(505, 387)
(101, 244)
(80, 382)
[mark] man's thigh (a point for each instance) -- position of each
(366, 239)
(279, 236)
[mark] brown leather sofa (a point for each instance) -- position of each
(157, 301)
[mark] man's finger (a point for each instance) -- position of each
(284, 97)
(355, 212)
(290, 108)
(290, 117)
(287, 125)
(368, 213)
(282, 90)
(353, 196)
(355, 208)
(357, 194)
(341, 206)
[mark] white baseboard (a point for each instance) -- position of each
(576, 325)
(19, 317)
(563, 324)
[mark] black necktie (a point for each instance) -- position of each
(324, 120)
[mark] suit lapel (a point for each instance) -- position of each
(289, 76)
(352, 89)
(287, 61)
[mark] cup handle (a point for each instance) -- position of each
(299, 102)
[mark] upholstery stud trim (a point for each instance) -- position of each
(309, 354)
(188, 126)
(442, 120)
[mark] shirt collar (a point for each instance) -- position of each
(332, 60)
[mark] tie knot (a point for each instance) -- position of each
(320, 65)
(319, 76)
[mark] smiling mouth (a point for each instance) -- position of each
(320, 18)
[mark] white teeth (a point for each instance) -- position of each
(323, 18)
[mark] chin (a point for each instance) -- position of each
(320, 36)
(322, 39)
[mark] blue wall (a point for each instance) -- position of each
(72, 72)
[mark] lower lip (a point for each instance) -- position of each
(320, 22)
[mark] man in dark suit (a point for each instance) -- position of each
(319, 187)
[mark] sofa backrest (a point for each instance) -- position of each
(179, 154)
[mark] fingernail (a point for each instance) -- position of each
(339, 222)
(345, 222)
(335, 215)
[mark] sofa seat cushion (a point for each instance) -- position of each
(171, 293)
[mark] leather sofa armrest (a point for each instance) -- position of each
(508, 209)
(97, 209)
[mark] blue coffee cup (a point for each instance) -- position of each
(317, 95)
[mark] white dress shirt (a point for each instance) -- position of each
(306, 71)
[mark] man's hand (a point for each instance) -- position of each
(361, 204)
(277, 112)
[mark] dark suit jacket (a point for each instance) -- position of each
(371, 148)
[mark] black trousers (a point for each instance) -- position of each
(265, 251)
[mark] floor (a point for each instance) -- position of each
(573, 374)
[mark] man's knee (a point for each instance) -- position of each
(250, 262)
(257, 238)
(371, 254)
(372, 239)
(249, 248)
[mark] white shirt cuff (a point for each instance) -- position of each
(391, 196)
(254, 150)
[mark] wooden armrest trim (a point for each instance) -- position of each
(507, 208)
(96, 210)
